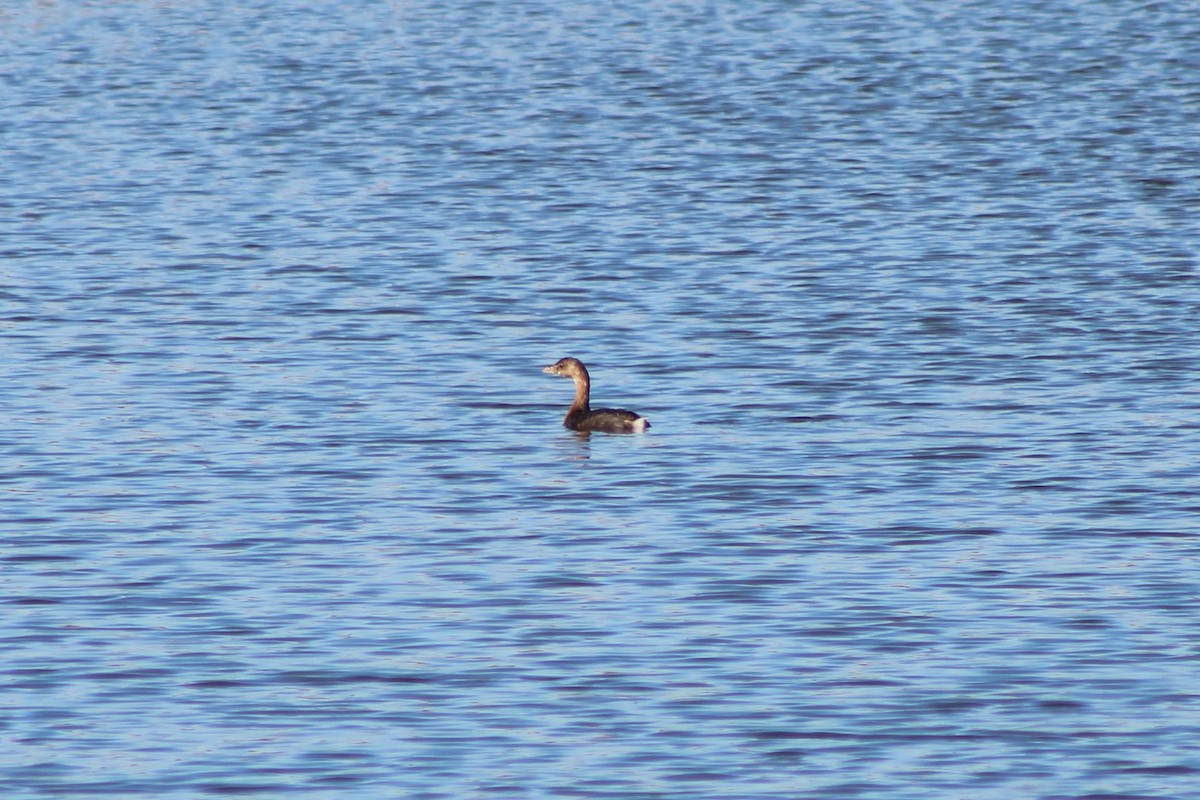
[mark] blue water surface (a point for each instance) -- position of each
(908, 290)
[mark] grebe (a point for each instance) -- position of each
(580, 416)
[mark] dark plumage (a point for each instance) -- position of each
(581, 416)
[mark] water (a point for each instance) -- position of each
(908, 290)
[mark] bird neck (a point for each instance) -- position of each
(582, 394)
